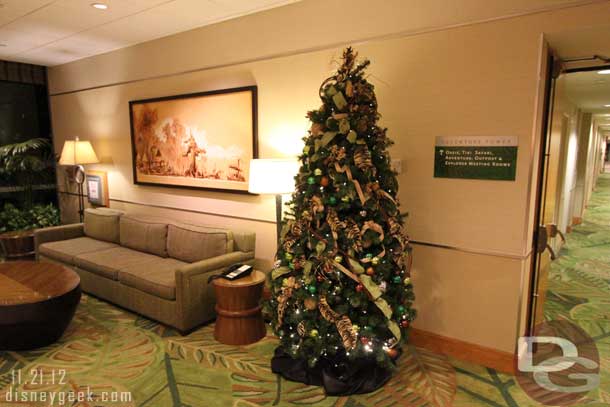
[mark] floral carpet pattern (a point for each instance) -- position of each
(107, 349)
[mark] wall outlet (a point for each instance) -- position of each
(397, 165)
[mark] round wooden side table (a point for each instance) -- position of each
(239, 320)
(37, 302)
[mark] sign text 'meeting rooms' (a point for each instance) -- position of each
(476, 157)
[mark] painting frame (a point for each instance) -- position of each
(252, 89)
(97, 195)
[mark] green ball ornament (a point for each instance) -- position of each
(317, 172)
(311, 180)
(332, 200)
(291, 266)
(369, 255)
(312, 289)
(375, 260)
(400, 309)
(396, 279)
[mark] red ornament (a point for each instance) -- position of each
(320, 278)
(393, 353)
(364, 340)
(324, 181)
(404, 323)
(370, 271)
(359, 288)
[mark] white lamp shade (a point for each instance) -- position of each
(272, 175)
(76, 152)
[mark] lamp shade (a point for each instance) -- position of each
(272, 175)
(76, 152)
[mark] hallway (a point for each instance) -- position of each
(579, 281)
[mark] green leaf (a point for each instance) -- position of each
(356, 266)
(371, 287)
(339, 100)
(393, 327)
(307, 271)
(344, 126)
(351, 137)
(320, 247)
(280, 271)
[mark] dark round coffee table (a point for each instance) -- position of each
(37, 302)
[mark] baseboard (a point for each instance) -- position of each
(468, 352)
(576, 220)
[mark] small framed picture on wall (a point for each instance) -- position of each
(97, 188)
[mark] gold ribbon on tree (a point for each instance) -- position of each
(345, 169)
(342, 322)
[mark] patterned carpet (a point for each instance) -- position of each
(109, 349)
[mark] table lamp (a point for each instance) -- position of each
(273, 176)
(78, 153)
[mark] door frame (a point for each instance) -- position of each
(554, 70)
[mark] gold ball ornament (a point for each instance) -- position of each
(317, 171)
(310, 303)
(407, 281)
(314, 333)
(375, 260)
(338, 259)
(355, 328)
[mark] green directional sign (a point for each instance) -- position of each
(491, 158)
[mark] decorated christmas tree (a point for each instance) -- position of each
(341, 293)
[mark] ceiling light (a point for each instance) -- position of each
(606, 105)
(102, 6)
(604, 72)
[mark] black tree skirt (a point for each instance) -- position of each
(362, 376)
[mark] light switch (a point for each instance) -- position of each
(397, 165)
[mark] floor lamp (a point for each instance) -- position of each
(77, 153)
(273, 176)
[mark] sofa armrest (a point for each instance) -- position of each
(212, 264)
(55, 233)
(195, 296)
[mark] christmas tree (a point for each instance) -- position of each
(341, 292)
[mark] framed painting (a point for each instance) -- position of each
(97, 188)
(200, 140)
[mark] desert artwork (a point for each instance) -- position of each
(200, 141)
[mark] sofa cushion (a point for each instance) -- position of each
(144, 234)
(108, 263)
(102, 224)
(194, 243)
(158, 279)
(66, 250)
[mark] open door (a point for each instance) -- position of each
(546, 201)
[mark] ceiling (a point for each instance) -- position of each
(589, 90)
(54, 32)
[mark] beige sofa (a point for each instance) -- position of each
(155, 267)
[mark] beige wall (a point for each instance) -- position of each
(478, 79)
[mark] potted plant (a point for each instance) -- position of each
(26, 163)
